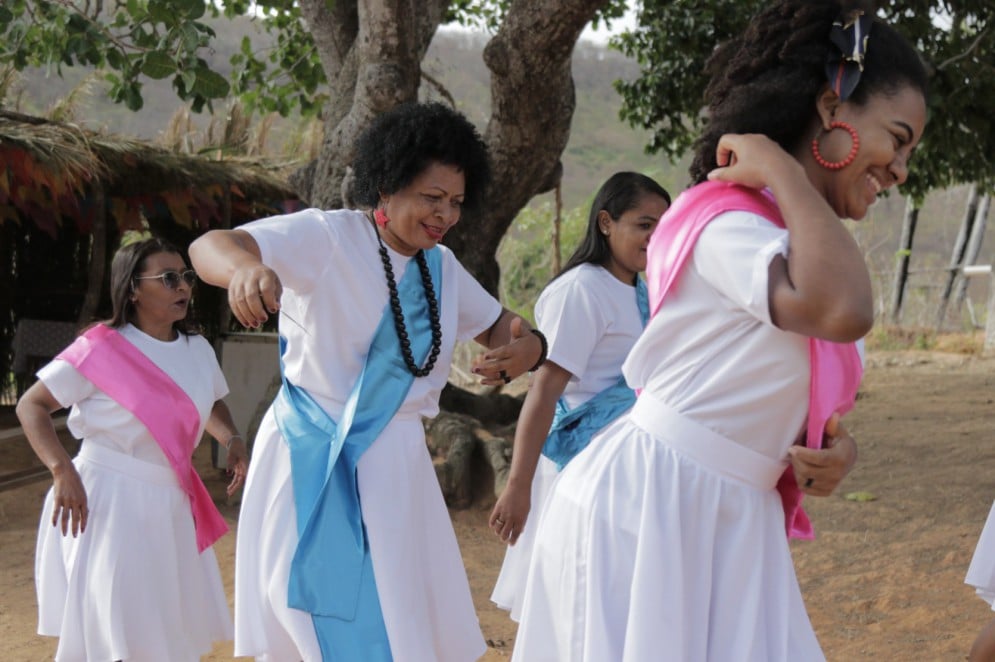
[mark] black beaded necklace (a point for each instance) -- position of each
(395, 309)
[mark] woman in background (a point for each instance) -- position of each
(592, 312)
(137, 580)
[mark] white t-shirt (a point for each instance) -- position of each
(591, 321)
(189, 361)
(336, 291)
(712, 351)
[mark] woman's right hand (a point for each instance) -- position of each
(510, 512)
(253, 293)
(69, 498)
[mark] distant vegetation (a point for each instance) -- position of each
(599, 145)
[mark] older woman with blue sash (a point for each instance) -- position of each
(592, 314)
(345, 548)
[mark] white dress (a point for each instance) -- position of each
(665, 538)
(590, 320)
(132, 586)
(981, 572)
(335, 291)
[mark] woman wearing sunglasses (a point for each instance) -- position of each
(137, 578)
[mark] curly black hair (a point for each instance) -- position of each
(767, 79)
(401, 143)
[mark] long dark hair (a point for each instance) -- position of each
(128, 262)
(767, 79)
(622, 192)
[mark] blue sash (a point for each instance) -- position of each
(572, 429)
(331, 574)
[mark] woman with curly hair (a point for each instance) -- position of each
(665, 539)
(345, 548)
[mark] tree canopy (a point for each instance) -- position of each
(349, 60)
(955, 37)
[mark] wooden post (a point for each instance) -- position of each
(98, 257)
(989, 348)
(974, 244)
(903, 257)
(957, 257)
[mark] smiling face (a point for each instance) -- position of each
(889, 127)
(629, 235)
(423, 211)
(156, 306)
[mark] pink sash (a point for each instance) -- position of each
(836, 368)
(128, 377)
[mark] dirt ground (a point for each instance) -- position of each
(883, 580)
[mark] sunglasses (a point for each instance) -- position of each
(172, 279)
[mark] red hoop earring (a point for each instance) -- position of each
(837, 165)
(380, 217)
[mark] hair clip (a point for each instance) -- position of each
(849, 35)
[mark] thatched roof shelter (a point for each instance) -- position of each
(67, 195)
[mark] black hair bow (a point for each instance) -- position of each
(845, 63)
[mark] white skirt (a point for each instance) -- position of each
(421, 582)
(509, 590)
(981, 572)
(132, 586)
(664, 541)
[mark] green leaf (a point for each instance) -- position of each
(210, 84)
(6, 16)
(158, 65)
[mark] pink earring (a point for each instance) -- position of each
(380, 216)
(837, 165)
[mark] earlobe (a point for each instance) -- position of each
(604, 222)
(826, 105)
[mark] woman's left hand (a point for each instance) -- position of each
(238, 464)
(502, 364)
(820, 471)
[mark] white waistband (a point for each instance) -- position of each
(128, 464)
(704, 446)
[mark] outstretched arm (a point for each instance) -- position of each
(231, 259)
(514, 349)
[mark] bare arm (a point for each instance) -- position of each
(34, 411)
(512, 508)
(231, 259)
(221, 426)
(823, 288)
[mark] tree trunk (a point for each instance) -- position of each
(381, 68)
(98, 258)
(529, 59)
(904, 256)
(372, 52)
